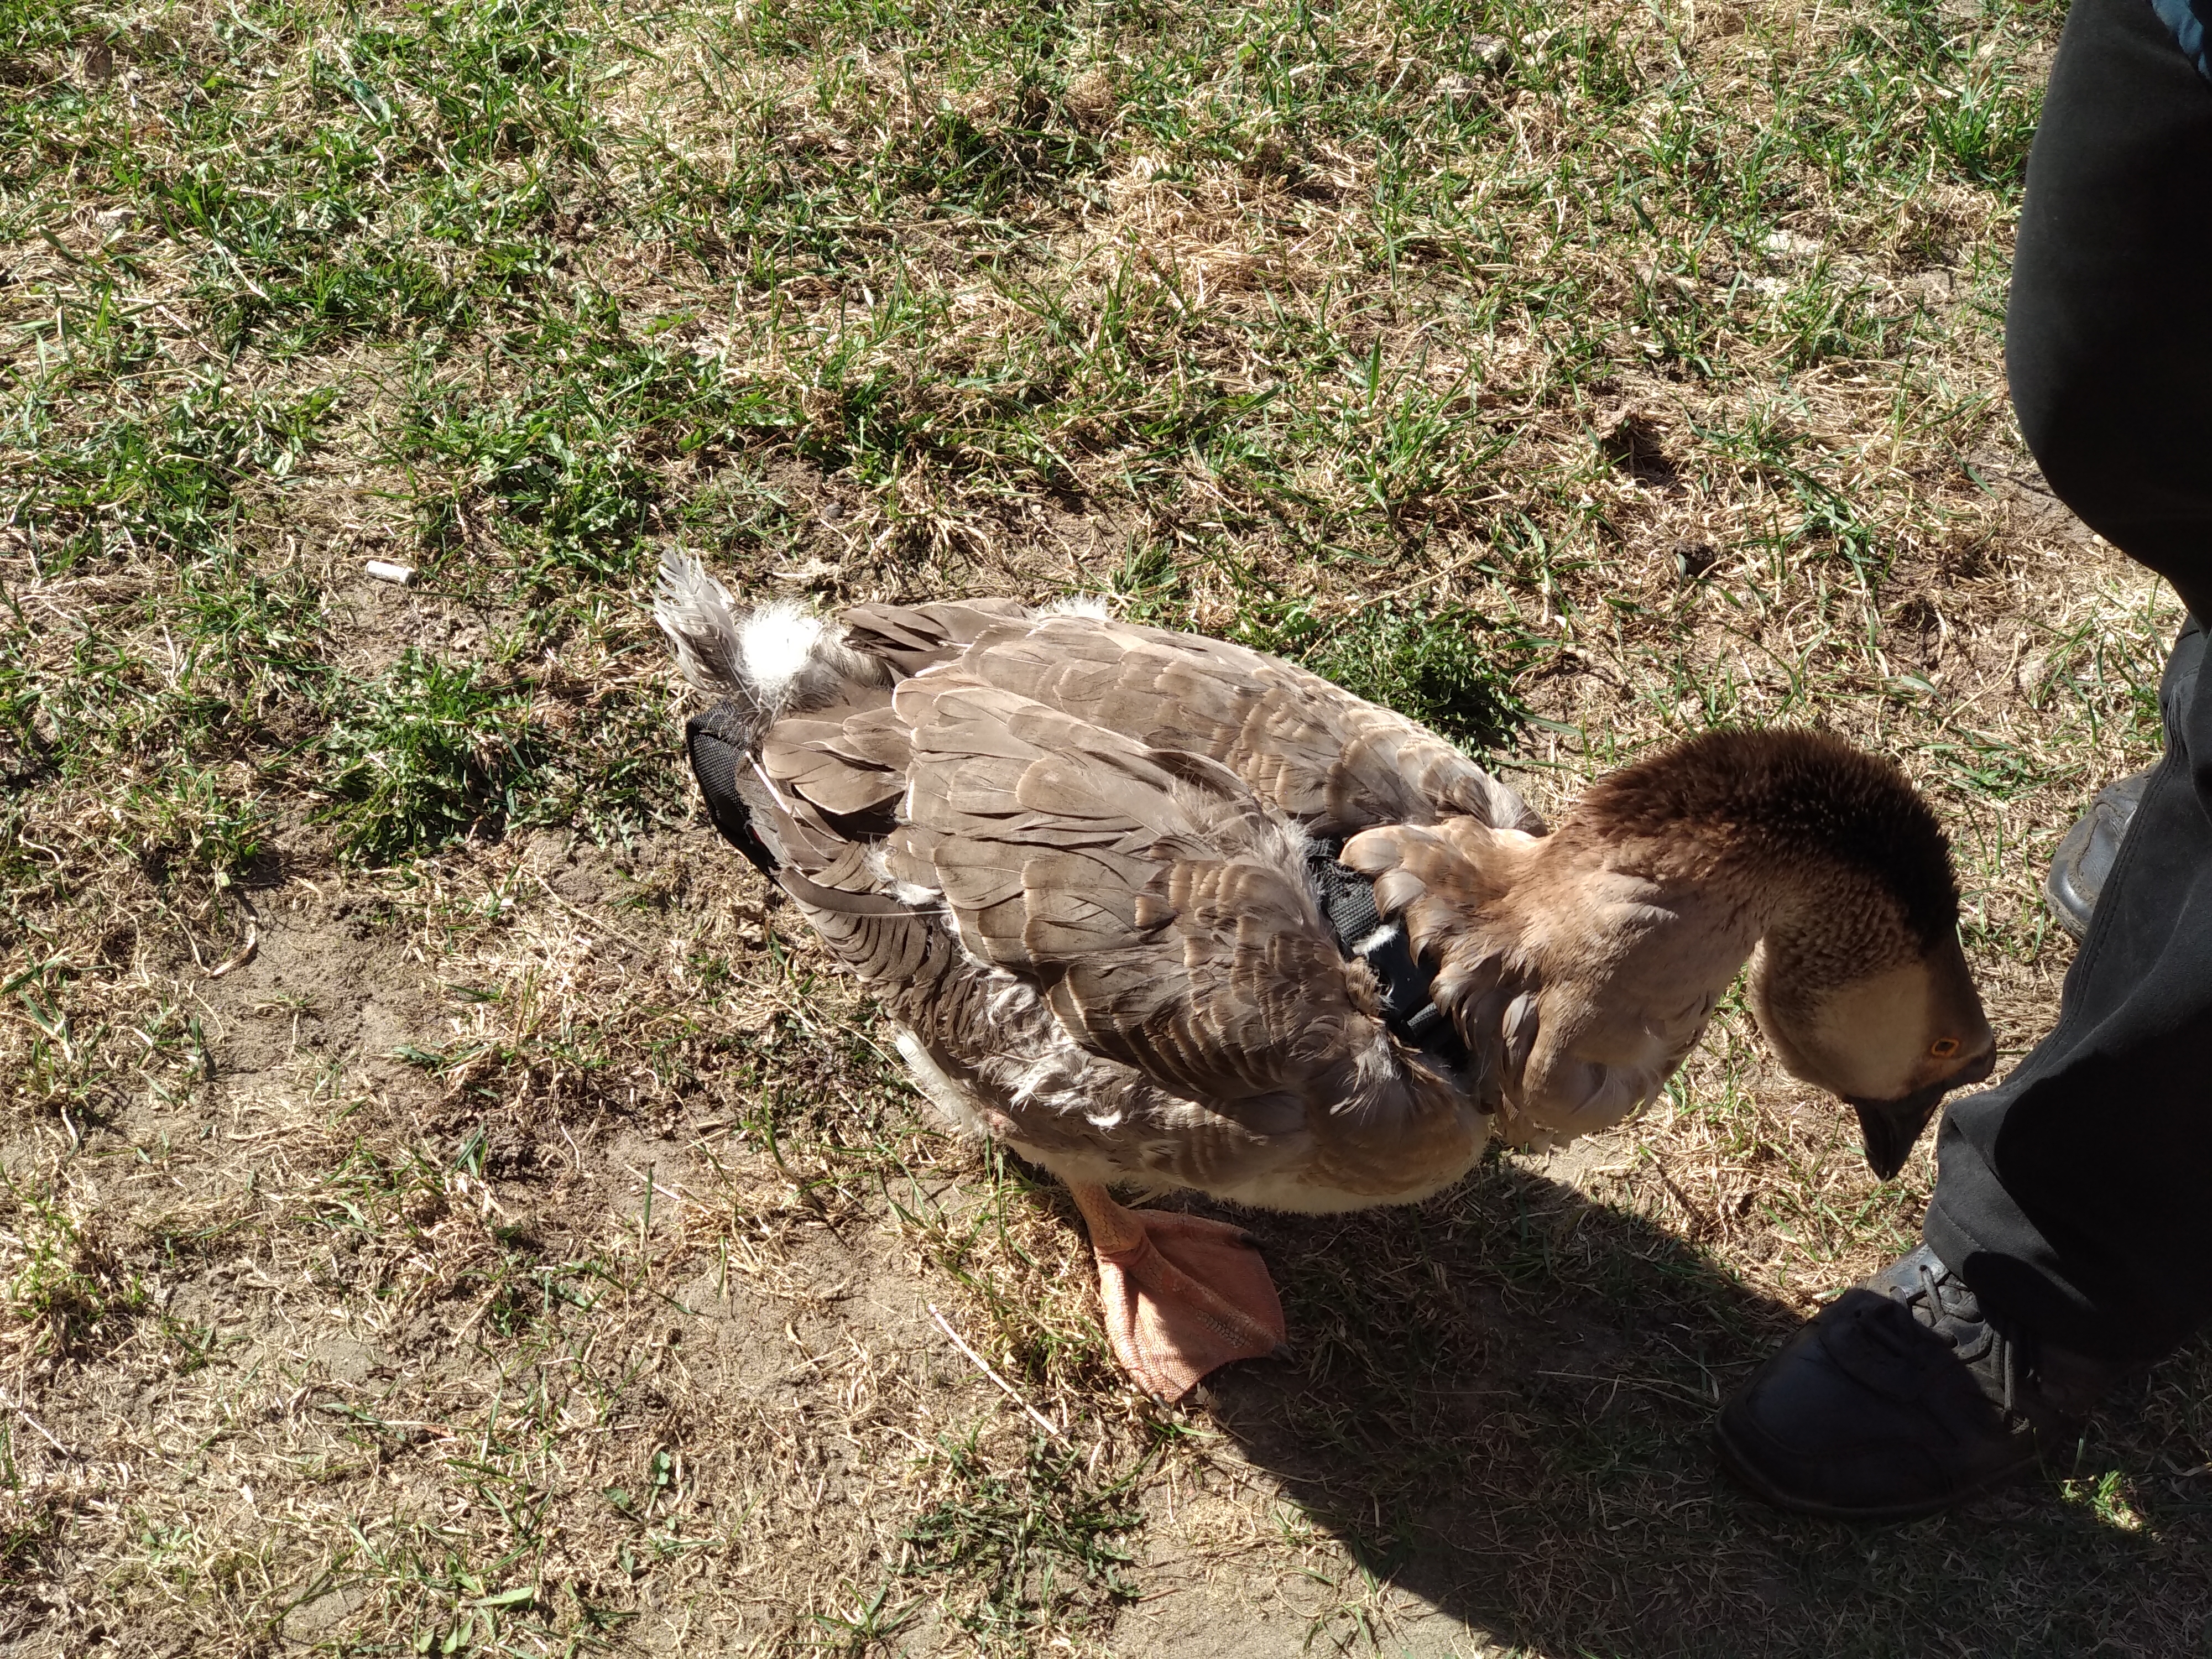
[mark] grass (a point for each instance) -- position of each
(448, 1209)
(1041, 1546)
(422, 755)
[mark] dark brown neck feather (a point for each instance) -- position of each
(1781, 800)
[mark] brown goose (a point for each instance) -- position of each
(1154, 909)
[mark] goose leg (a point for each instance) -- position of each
(1183, 1295)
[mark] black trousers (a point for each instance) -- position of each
(2076, 1196)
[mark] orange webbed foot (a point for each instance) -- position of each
(1183, 1295)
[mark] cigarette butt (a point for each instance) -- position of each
(385, 571)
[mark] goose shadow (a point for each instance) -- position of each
(1501, 1400)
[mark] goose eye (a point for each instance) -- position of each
(1944, 1048)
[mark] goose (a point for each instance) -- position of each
(1161, 912)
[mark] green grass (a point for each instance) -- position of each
(1043, 1546)
(427, 753)
(525, 1216)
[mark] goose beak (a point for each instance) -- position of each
(1888, 1128)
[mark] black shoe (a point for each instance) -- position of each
(2085, 857)
(1900, 1399)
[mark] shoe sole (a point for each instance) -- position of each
(1741, 1470)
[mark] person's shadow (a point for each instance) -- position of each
(1502, 1403)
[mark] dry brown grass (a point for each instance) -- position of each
(530, 1248)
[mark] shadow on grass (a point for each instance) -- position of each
(1502, 1405)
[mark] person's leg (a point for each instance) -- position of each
(2108, 348)
(2071, 1196)
(2069, 1234)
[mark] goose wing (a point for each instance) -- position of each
(1308, 748)
(1160, 911)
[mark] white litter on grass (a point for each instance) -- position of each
(385, 571)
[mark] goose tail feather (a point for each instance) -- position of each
(756, 665)
(770, 659)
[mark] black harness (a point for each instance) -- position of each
(1347, 905)
(720, 744)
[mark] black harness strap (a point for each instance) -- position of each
(719, 744)
(1347, 904)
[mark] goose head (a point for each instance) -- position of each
(1887, 1020)
(1828, 854)
(1584, 964)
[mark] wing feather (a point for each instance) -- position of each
(1134, 895)
(914, 637)
(1305, 746)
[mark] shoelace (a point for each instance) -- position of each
(1942, 1316)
